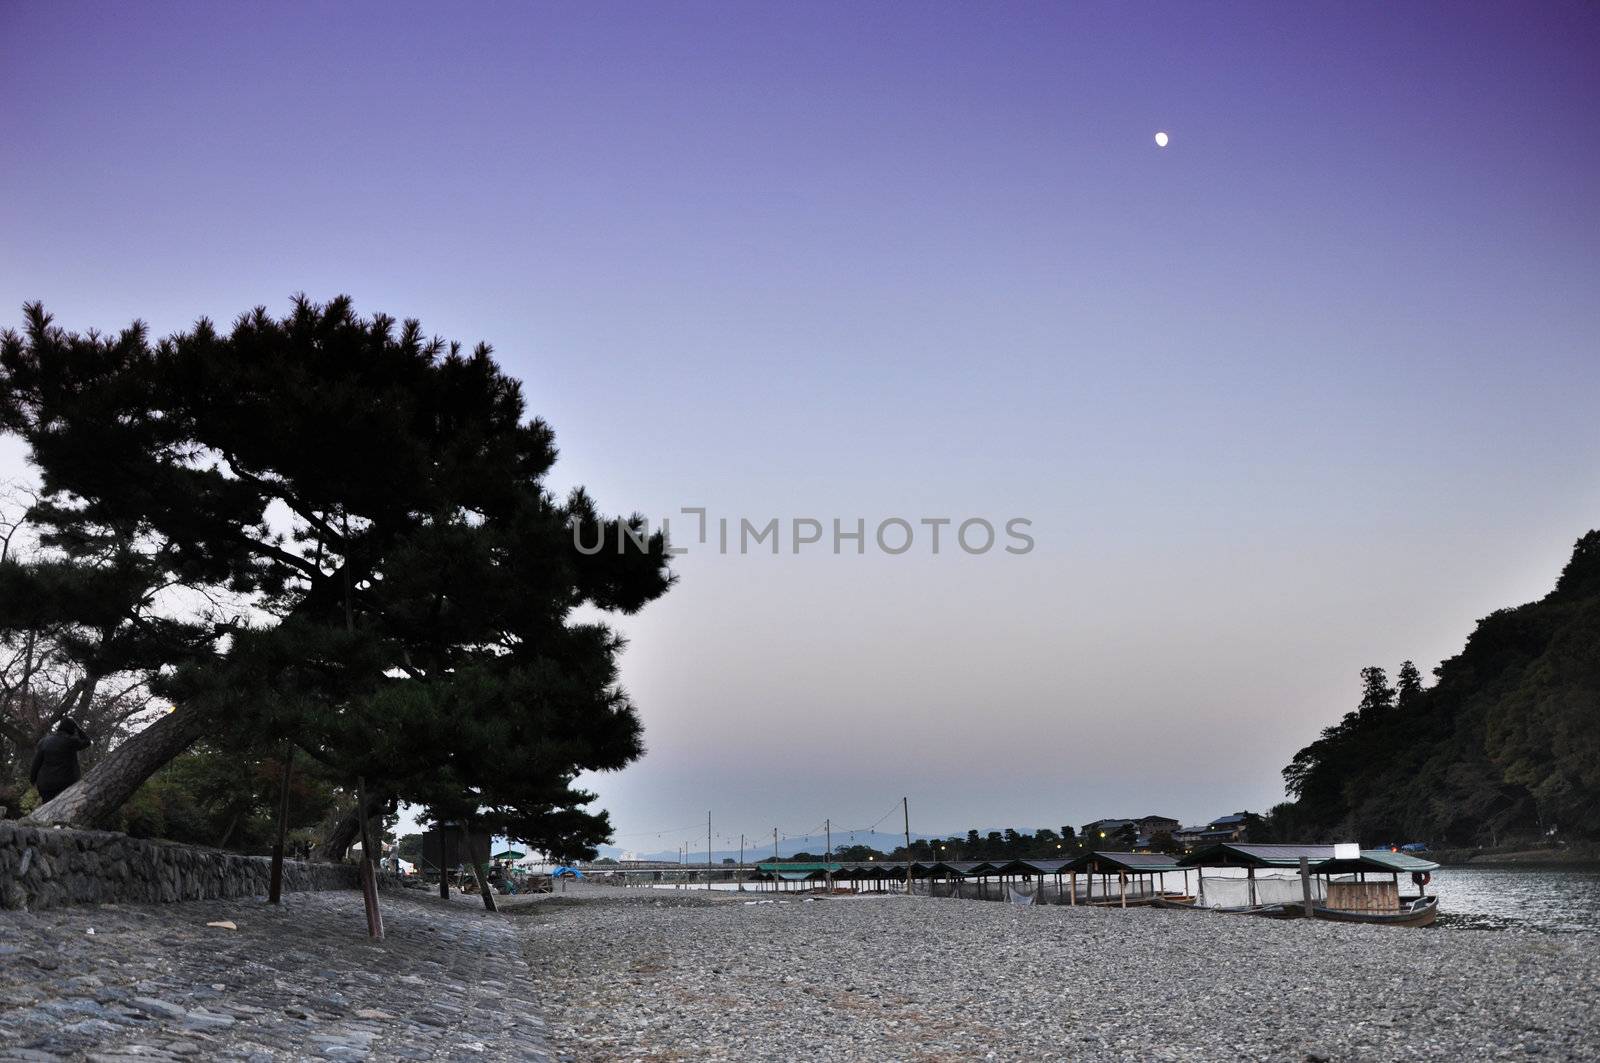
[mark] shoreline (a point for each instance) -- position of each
(1583, 856)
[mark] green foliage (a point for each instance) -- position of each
(229, 799)
(1162, 842)
(374, 501)
(857, 853)
(1009, 844)
(1506, 743)
(409, 848)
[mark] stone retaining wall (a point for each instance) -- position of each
(44, 867)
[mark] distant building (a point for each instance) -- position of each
(1102, 829)
(1231, 828)
(1234, 825)
(1151, 825)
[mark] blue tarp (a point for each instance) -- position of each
(574, 872)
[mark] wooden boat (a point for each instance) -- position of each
(1358, 886)
(1420, 911)
(1269, 911)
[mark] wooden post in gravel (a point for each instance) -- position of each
(1305, 884)
(275, 888)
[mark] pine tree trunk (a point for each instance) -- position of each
(122, 771)
(478, 872)
(336, 846)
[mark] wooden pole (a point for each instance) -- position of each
(905, 809)
(1305, 884)
(739, 873)
(827, 873)
(1122, 886)
(708, 849)
(1250, 873)
(275, 888)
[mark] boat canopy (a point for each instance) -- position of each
(1321, 858)
(1378, 860)
(1134, 863)
(1034, 867)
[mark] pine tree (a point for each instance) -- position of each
(1408, 686)
(1377, 696)
(374, 500)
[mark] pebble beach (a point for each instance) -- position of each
(606, 973)
(645, 974)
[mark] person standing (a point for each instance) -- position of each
(55, 761)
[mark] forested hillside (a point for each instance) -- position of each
(1504, 747)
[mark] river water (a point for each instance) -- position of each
(1555, 899)
(1560, 900)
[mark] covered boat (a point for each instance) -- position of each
(1339, 883)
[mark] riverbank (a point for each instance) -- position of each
(303, 981)
(1570, 856)
(909, 978)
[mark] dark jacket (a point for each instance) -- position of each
(55, 762)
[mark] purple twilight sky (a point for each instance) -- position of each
(1309, 389)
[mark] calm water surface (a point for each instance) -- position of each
(1555, 900)
(1561, 900)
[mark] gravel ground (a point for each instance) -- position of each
(603, 973)
(635, 973)
(303, 981)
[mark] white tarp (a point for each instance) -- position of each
(1218, 891)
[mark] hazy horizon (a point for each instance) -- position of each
(1307, 390)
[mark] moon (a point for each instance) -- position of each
(1161, 140)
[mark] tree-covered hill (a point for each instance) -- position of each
(1504, 747)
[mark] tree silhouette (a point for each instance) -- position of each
(368, 504)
